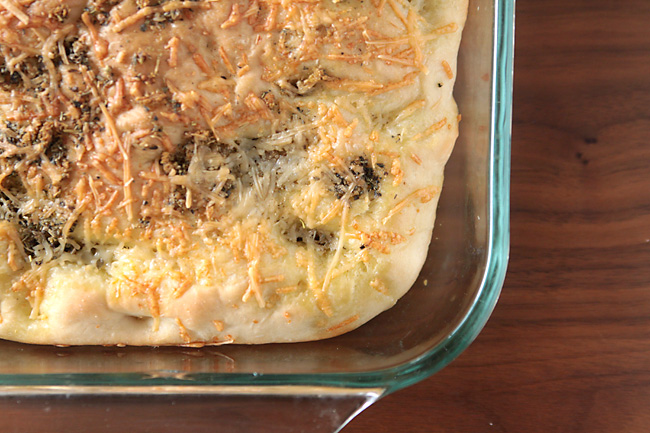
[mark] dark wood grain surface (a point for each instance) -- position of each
(568, 346)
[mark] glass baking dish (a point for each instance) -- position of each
(317, 386)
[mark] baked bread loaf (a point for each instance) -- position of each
(204, 172)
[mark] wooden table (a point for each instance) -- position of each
(568, 346)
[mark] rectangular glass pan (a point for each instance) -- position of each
(429, 326)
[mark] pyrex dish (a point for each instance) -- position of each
(317, 386)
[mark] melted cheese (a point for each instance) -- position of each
(201, 172)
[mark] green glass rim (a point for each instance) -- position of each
(406, 374)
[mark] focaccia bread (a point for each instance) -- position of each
(204, 172)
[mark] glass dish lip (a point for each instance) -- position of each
(408, 373)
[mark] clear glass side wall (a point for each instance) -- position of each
(429, 327)
(310, 410)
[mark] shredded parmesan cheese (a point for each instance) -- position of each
(16, 10)
(448, 70)
(344, 323)
(184, 167)
(424, 194)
